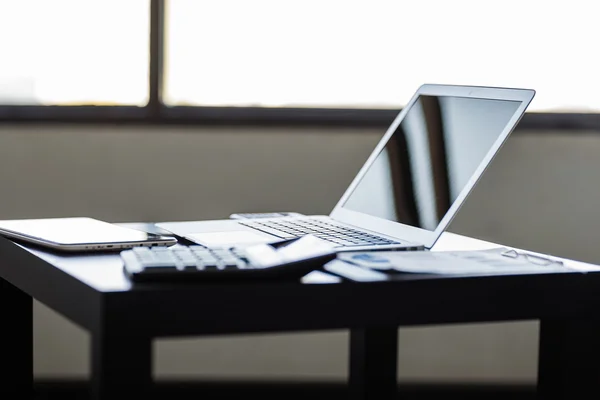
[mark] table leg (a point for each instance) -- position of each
(16, 338)
(121, 366)
(373, 363)
(569, 359)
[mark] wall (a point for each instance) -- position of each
(540, 193)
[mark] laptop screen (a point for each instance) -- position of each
(430, 158)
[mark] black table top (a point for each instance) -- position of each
(88, 287)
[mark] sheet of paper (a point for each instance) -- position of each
(575, 265)
(453, 242)
(490, 261)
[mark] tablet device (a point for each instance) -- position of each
(79, 234)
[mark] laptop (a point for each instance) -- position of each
(411, 186)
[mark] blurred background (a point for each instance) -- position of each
(159, 110)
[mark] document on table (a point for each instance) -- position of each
(499, 260)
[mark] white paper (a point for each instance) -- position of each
(490, 261)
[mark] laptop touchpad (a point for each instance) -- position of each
(230, 238)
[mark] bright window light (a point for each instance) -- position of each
(74, 52)
(374, 54)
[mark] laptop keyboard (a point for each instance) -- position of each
(337, 234)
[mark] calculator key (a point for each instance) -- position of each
(158, 267)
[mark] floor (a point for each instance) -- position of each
(69, 390)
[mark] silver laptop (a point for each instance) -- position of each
(411, 186)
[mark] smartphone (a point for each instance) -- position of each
(79, 234)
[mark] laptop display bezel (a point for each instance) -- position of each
(411, 233)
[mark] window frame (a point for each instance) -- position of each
(155, 112)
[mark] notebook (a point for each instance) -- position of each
(410, 187)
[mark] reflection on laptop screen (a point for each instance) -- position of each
(430, 158)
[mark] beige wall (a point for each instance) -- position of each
(540, 194)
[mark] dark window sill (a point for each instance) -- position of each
(255, 116)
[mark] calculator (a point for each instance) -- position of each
(290, 259)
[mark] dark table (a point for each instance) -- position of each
(92, 291)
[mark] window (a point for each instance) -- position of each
(74, 52)
(374, 54)
(292, 60)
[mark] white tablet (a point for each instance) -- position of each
(79, 234)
